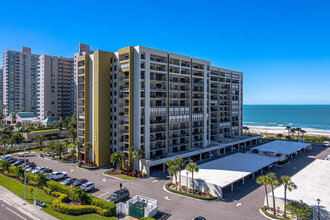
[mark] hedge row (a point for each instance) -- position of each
(109, 207)
(146, 218)
(59, 205)
(196, 196)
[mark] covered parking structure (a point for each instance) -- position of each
(312, 184)
(281, 149)
(223, 172)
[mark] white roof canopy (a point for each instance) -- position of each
(230, 169)
(283, 147)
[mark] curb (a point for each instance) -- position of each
(266, 215)
(119, 178)
(215, 200)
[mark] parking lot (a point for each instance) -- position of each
(244, 201)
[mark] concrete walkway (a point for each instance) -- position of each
(34, 212)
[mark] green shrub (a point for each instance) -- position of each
(264, 210)
(146, 218)
(13, 170)
(197, 196)
(32, 132)
(47, 190)
(112, 169)
(121, 171)
(11, 174)
(32, 183)
(143, 174)
(56, 194)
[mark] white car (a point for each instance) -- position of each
(57, 175)
(88, 186)
(7, 158)
(326, 143)
(328, 157)
(37, 169)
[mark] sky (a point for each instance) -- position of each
(282, 47)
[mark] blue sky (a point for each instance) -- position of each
(283, 47)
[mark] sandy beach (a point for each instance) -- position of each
(282, 130)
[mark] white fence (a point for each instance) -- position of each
(121, 208)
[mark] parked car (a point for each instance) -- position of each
(42, 170)
(328, 157)
(88, 186)
(18, 162)
(48, 154)
(78, 182)
(326, 143)
(11, 161)
(118, 195)
(7, 158)
(30, 166)
(69, 181)
(57, 175)
(199, 218)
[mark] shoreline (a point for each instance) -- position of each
(282, 130)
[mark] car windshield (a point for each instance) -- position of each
(83, 186)
(114, 196)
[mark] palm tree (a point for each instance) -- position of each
(293, 130)
(302, 133)
(117, 157)
(139, 155)
(288, 185)
(72, 134)
(298, 131)
(130, 157)
(48, 113)
(289, 129)
(60, 147)
(87, 146)
(192, 167)
(279, 136)
(51, 147)
(262, 180)
(40, 139)
(179, 161)
(77, 194)
(5, 165)
(18, 125)
(172, 171)
(41, 179)
(272, 181)
(78, 145)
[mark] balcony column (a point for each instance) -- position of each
(164, 167)
(200, 157)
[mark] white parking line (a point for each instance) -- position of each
(16, 213)
(103, 194)
(155, 181)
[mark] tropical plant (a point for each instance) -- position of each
(288, 185)
(245, 128)
(298, 131)
(72, 134)
(40, 139)
(87, 147)
(192, 167)
(48, 113)
(279, 136)
(302, 133)
(289, 129)
(117, 157)
(139, 155)
(130, 157)
(299, 209)
(180, 162)
(173, 171)
(41, 179)
(59, 148)
(5, 165)
(262, 180)
(273, 182)
(293, 131)
(77, 194)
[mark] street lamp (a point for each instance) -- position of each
(318, 209)
(187, 182)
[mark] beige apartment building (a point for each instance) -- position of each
(167, 104)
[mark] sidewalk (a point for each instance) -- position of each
(35, 212)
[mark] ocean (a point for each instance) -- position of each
(303, 116)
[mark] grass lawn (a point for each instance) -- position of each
(16, 187)
(122, 176)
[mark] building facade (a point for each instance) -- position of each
(55, 87)
(164, 103)
(1, 91)
(36, 83)
(19, 80)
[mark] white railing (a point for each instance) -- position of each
(121, 208)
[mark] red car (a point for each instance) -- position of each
(78, 182)
(12, 161)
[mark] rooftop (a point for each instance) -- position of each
(312, 185)
(232, 168)
(283, 147)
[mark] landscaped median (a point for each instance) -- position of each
(61, 201)
(198, 195)
(124, 174)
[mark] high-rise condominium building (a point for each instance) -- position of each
(1, 95)
(37, 83)
(83, 50)
(19, 80)
(55, 87)
(164, 103)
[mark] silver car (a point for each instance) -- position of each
(89, 186)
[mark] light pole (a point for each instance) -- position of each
(25, 174)
(187, 182)
(318, 209)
